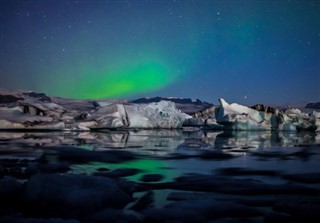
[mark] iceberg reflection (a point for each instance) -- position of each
(165, 141)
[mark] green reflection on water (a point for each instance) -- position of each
(146, 166)
(87, 147)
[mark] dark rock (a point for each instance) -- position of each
(71, 195)
(205, 155)
(181, 196)
(17, 219)
(35, 168)
(9, 99)
(258, 202)
(214, 209)
(103, 169)
(2, 171)
(115, 216)
(227, 185)
(79, 155)
(40, 96)
(276, 217)
(263, 108)
(144, 202)
(302, 210)
(254, 202)
(177, 156)
(167, 215)
(151, 177)
(303, 154)
(215, 155)
(16, 171)
(82, 116)
(235, 220)
(10, 191)
(235, 171)
(95, 104)
(131, 187)
(311, 178)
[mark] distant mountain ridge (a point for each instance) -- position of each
(313, 105)
(173, 99)
(186, 105)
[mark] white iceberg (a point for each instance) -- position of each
(163, 114)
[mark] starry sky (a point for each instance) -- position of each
(247, 52)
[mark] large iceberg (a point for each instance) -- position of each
(163, 114)
(36, 111)
(239, 117)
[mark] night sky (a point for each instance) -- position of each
(244, 51)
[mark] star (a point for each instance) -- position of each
(203, 43)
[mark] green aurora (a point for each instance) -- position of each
(244, 51)
(113, 81)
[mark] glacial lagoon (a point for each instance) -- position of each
(176, 166)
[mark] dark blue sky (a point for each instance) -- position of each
(244, 51)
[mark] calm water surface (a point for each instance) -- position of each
(173, 153)
(169, 154)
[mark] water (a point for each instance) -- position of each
(174, 153)
(264, 158)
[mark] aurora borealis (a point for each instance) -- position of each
(131, 77)
(243, 51)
